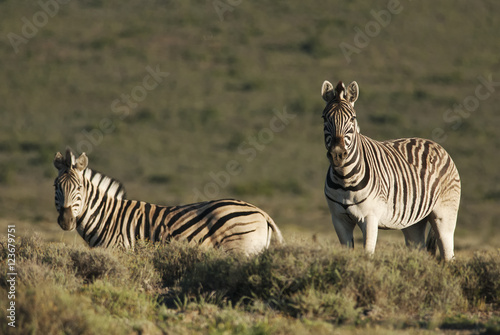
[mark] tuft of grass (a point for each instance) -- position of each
(119, 301)
(480, 278)
(45, 309)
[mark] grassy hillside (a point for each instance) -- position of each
(297, 289)
(79, 79)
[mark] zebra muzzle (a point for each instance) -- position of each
(337, 155)
(66, 219)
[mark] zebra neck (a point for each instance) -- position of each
(111, 187)
(354, 162)
(102, 197)
(98, 218)
(352, 179)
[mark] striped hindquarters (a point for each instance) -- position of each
(410, 175)
(424, 174)
(233, 225)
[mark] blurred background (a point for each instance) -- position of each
(186, 101)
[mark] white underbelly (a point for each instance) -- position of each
(370, 207)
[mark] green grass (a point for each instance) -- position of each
(181, 288)
(226, 79)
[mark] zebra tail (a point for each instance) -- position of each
(431, 242)
(275, 229)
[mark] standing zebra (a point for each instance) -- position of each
(395, 184)
(95, 205)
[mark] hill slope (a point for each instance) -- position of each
(162, 95)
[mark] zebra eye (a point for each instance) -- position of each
(328, 140)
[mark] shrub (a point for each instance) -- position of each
(479, 277)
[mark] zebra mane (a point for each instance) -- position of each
(111, 187)
(340, 90)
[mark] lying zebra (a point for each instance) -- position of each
(95, 205)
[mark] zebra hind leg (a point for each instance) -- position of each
(431, 242)
(415, 234)
(443, 220)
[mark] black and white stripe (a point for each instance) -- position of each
(95, 205)
(395, 184)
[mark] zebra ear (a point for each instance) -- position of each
(59, 162)
(82, 162)
(327, 91)
(352, 93)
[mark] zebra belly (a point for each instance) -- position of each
(352, 209)
(378, 208)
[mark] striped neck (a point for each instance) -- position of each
(354, 161)
(353, 176)
(100, 192)
(107, 186)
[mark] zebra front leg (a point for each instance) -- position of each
(369, 227)
(345, 232)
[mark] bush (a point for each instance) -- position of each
(480, 278)
(321, 281)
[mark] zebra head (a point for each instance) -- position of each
(340, 125)
(69, 188)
